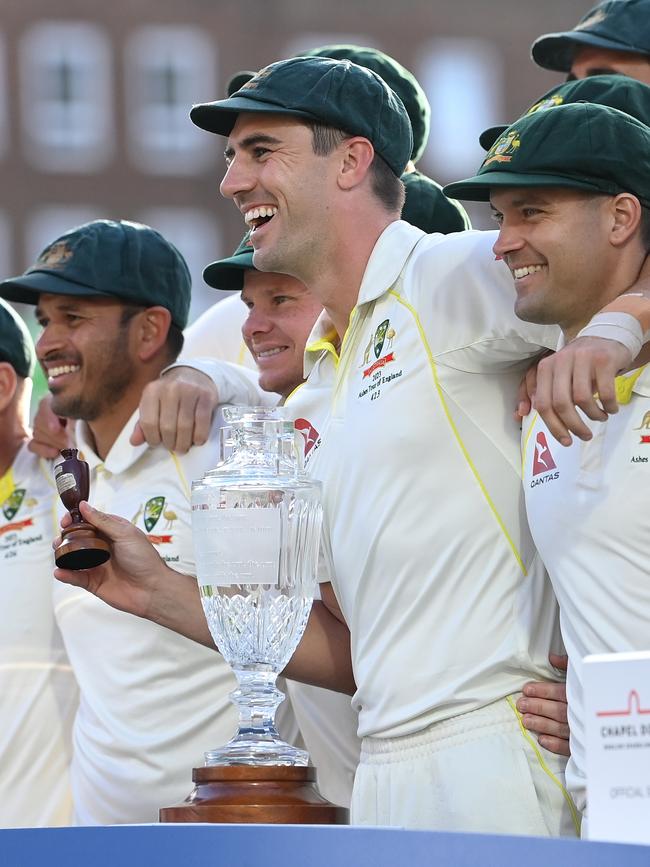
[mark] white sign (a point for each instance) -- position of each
(236, 546)
(617, 721)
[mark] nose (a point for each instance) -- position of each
(50, 340)
(257, 322)
(237, 179)
(509, 240)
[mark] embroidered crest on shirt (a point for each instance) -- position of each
(10, 508)
(13, 503)
(153, 510)
(380, 339)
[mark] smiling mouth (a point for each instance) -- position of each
(270, 353)
(54, 373)
(525, 270)
(257, 217)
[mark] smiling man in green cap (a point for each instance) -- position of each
(570, 191)
(613, 37)
(216, 332)
(427, 557)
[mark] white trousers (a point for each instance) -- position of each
(479, 772)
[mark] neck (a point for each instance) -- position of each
(615, 282)
(15, 433)
(336, 278)
(105, 429)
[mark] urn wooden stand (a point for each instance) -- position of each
(275, 794)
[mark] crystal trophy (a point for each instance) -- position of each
(80, 546)
(256, 522)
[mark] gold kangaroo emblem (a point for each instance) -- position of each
(645, 423)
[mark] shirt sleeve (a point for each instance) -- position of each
(235, 384)
(465, 301)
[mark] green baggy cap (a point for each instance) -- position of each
(618, 25)
(334, 92)
(427, 207)
(119, 259)
(16, 344)
(228, 274)
(581, 146)
(397, 77)
(616, 91)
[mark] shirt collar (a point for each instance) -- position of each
(122, 455)
(385, 264)
(387, 259)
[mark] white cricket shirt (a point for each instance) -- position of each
(151, 701)
(38, 692)
(411, 431)
(587, 508)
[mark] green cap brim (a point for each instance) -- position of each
(220, 116)
(477, 189)
(556, 50)
(228, 274)
(491, 134)
(26, 289)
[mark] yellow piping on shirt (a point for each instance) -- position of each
(625, 385)
(291, 394)
(181, 475)
(524, 446)
(452, 424)
(7, 485)
(545, 767)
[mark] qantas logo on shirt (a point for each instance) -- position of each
(542, 459)
(309, 432)
(543, 463)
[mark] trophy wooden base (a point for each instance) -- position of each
(236, 794)
(81, 548)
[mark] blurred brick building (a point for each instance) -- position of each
(94, 99)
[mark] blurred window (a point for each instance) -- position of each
(463, 80)
(66, 96)
(167, 70)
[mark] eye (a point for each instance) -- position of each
(72, 318)
(42, 321)
(259, 152)
(280, 299)
(530, 212)
(497, 216)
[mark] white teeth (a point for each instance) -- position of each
(525, 270)
(64, 368)
(269, 352)
(256, 213)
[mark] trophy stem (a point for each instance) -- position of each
(257, 741)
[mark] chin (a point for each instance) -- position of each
(530, 313)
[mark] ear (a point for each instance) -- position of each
(626, 218)
(153, 327)
(357, 156)
(8, 384)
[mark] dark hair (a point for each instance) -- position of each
(386, 186)
(174, 340)
(645, 227)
